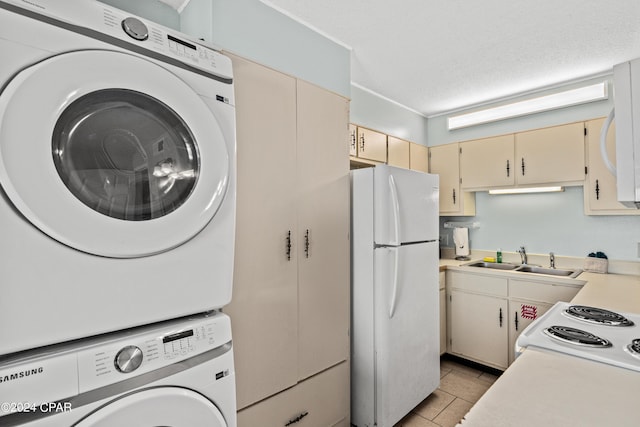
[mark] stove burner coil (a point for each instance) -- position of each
(634, 347)
(598, 316)
(576, 337)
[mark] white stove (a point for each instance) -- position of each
(588, 332)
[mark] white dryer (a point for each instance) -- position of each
(117, 173)
(175, 373)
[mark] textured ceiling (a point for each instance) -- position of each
(435, 56)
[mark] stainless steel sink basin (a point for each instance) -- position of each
(495, 265)
(525, 268)
(549, 271)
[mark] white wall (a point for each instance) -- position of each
(551, 222)
(375, 112)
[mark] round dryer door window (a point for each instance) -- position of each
(111, 154)
(166, 406)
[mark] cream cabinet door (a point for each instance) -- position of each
(353, 140)
(443, 161)
(479, 329)
(521, 314)
(372, 145)
(322, 400)
(323, 232)
(551, 155)
(443, 313)
(600, 188)
(264, 308)
(418, 157)
(487, 162)
(398, 152)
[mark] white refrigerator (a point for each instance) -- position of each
(395, 344)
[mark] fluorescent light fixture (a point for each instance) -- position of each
(526, 190)
(567, 98)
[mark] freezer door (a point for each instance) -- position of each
(405, 206)
(406, 318)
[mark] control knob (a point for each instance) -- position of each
(135, 28)
(128, 359)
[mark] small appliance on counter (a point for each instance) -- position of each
(461, 242)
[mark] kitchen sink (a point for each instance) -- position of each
(550, 271)
(495, 265)
(525, 268)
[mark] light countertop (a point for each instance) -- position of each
(552, 389)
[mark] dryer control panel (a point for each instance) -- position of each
(123, 358)
(113, 23)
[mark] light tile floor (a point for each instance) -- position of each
(460, 387)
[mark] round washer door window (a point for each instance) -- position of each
(125, 154)
(166, 406)
(111, 154)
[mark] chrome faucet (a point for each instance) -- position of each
(523, 254)
(552, 260)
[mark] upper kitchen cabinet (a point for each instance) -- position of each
(398, 152)
(444, 161)
(418, 157)
(600, 192)
(553, 155)
(371, 145)
(487, 162)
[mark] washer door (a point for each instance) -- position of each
(166, 406)
(110, 153)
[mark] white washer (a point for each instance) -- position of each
(176, 373)
(117, 173)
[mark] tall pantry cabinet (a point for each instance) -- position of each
(290, 306)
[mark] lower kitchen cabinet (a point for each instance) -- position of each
(322, 400)
(486, 313)
(521, 314)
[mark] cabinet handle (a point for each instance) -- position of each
(296, 419)
(523, 166)
(362, 142)
(500, 317)
(288, 246)
(454, 196)
(508, 168)
(516, 320)
(307, 244)
(597, 190)
(353, 139)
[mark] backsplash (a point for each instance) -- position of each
(549, 222)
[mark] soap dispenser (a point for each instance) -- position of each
(499, 255)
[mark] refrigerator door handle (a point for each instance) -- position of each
(396, 210)
(394, 290)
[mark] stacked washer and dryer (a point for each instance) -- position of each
(117, 219)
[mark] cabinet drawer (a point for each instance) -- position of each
(544, 292)
(324, 398)
(478, 283)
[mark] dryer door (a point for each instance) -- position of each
(165, 406)
(110, 153)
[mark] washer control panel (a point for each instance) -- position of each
(152, 348)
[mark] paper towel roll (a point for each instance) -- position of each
(461, 241)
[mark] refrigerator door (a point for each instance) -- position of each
(406, 317)
(405, 206)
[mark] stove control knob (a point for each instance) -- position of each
(128, 359)
(135, 28)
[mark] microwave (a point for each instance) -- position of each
(626, 86)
